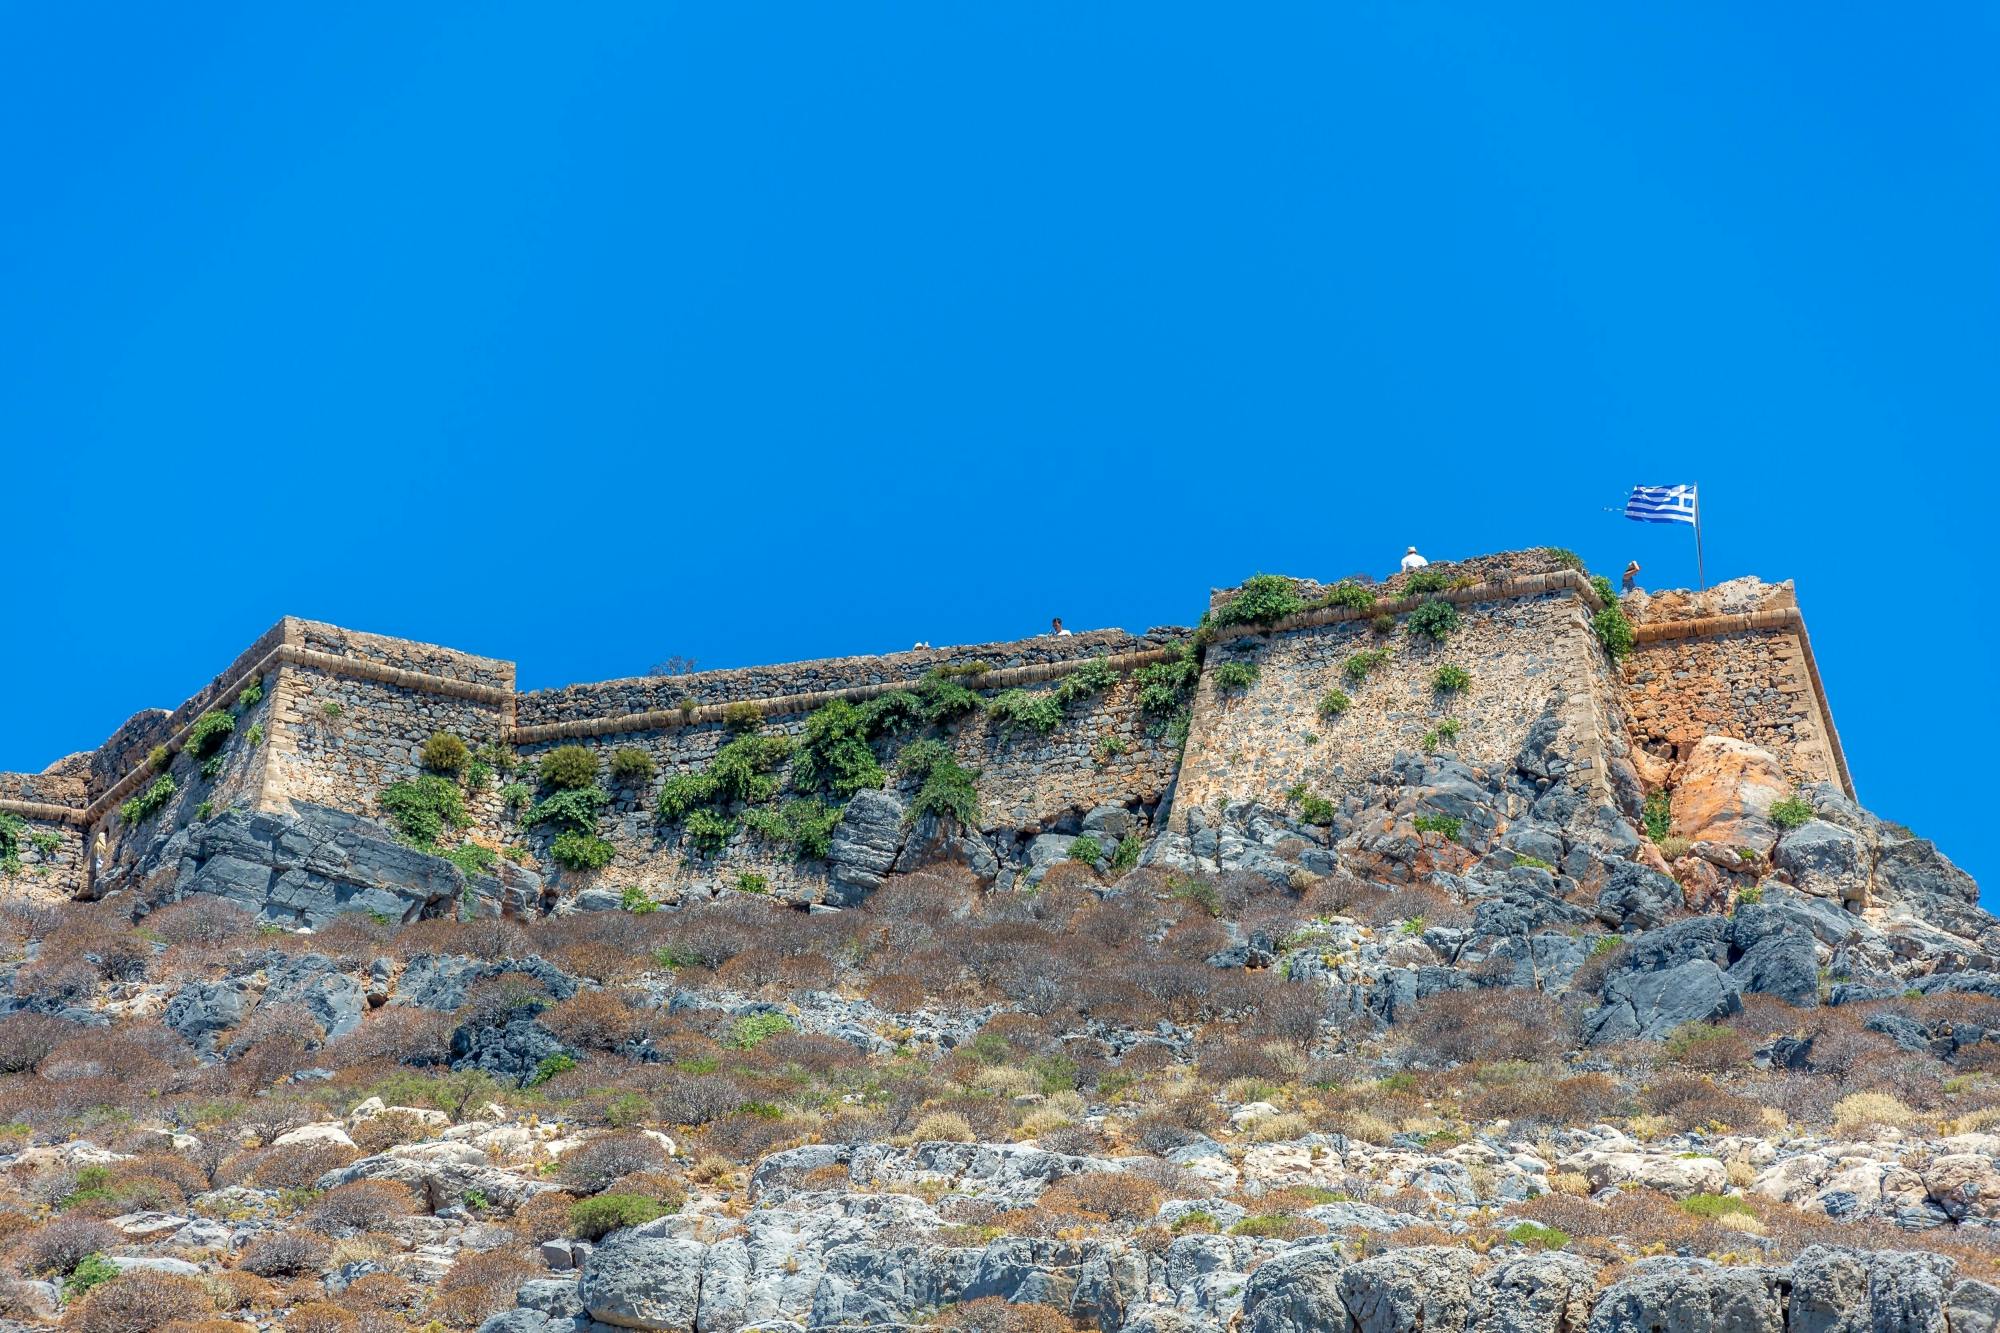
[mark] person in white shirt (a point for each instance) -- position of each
(1057, 629)
(1413, 561)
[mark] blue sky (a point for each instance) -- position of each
(584, 335)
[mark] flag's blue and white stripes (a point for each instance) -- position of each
(1661, 504)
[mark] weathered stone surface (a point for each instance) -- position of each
(1725, 793)
(648, 1284)
(1692, 1296)
(1298, 1291)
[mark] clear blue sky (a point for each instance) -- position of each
(584, 335)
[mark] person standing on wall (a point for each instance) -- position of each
(1411, 560)
(1631, 575)
(1056, 628)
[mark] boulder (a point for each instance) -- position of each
(1838, 1290)
(1826, 861)
(1691, 1296)
(1973, 1307)
(1725, 793)
(644, 1283)
(1297, 1291)
(1637, 896)
(1539, 1293)
(1423, 1289)
(863, 846)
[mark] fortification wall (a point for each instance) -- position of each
(1733, 661)
(1526, 641)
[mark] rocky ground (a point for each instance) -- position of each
(1478, 1053)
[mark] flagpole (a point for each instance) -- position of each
(1700, 572)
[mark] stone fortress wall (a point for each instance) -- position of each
(343, 714)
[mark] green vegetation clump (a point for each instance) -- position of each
(1538, 1237)
(631, 764)
(1442, 824)
(1658, 815)
(739, 772)
(806, 825)
(93, 1270)
(550, 1066)
(708, 830)
(12, 828)
(569, 766)
(1233, 677)
(1360, 666)
(1451, 679)
(1446, 730)
(1533, 862)
(515, 796)
(473, 859)
(1384, 624)
(1316, 809)
(1087, 850)
(1791, 812)
(1130, 848)
(919, 757)
(1564, 557)
(752, 882)
(149, 802)
(1265, 1226)
(1335, 702)
(1348, 595)
(1038, 711)
(1709, 1207)
(945, 696)
(574, 849)
(636, 900)
(1264, 599)
(1166, 686)
(1199, 892)
(210, 730)
(445, 753)
(597, 1217)
(834, 755)
(949, 792)
(251, 695)
(1435, 619)
(743, 716)
(1425, 582)
(571, 808)
(753, 1029)
(423, 808)
(1613, 630)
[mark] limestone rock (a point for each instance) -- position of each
(1725, 794)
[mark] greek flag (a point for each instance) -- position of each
(1661, 504)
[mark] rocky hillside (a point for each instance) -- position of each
(1473, 1044)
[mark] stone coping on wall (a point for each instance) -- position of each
(1513, 588)
(780, 705)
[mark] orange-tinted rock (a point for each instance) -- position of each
(1725, 794)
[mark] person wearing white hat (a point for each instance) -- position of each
(1413, 561)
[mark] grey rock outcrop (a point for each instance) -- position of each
(644, 1283)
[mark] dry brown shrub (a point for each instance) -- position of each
(234, 1291)
(1116, 1195)
(319, 1317)
(405, 1034)
(359, 1205)
(1463, 1027)
(479, 1286)
(1071, 875)
(1436, 906)
(57, 1247)
(1342, 895)
(589, 1168)
(897, 992)
(1690, 1101)
(1543, 1099)
(389, 1129)
(592, 1020)
(26, 1038)
(544, 1217)
(384, 1291)
(285, 1254)
(205, 923)
(996, 1314)
(207, 1326)
(288, 1166)
(139, 1302)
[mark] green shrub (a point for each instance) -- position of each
(251, 695)
(1451, 679)
(597, 1217)
(1130, 848)
(1265, 1226)
(550, 1066)
(1750, 895)
(707, 830)
(93, 1270)
(1166, 686)
(571, 808)
(1038, 711)
(893, 714)
(741, 770)
(1360, 666)
(1316, 809)
(1564, 557)
(919, 757)
(1087, 850)
(1791, 812)
(331, 709)
(573, 849)
(1264, 599)
(473, 859)
(806, 825)
(950, 791)
(1089, 679)
(1533, 862)
(569, 766)
(1434, 619)
(514, 797)
(681, 793)
(1605, 593)
(1425, 582)
(1443, 824)
(1199, 892)
(12, 829)
(255, 735)
(210, 730)
(149, 802)
(1712, 1206)
(1658, 815)
(478, 775)
(1538, 1237)
(752, 882)
(834, 754)
(159, 757)
(631, 764)
(1234, 677)
(945, 697)
(444, 753)
(422, 808)
(636, 900)
(753, 1029)
(743, 716)
(211, 767)
(1613, 630)
(1383, 624)
(1445, 730)
(1334, 702)
(1349, 596)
